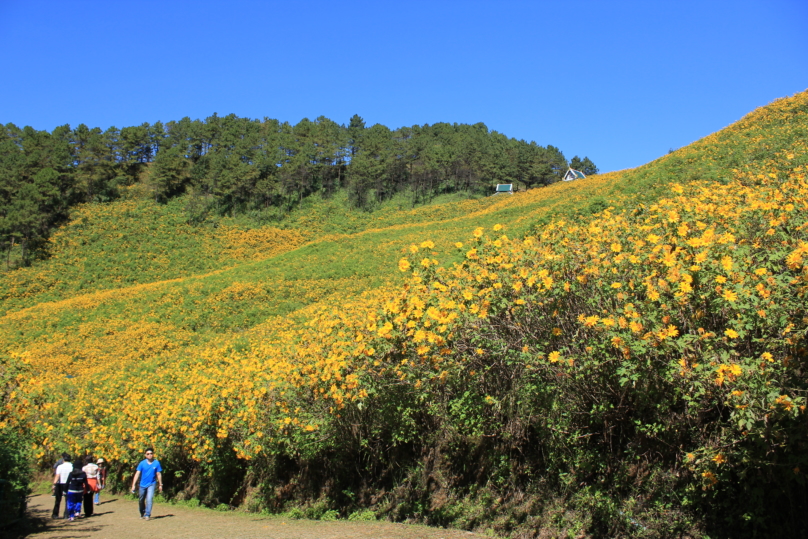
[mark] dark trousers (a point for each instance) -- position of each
(61, 492)
(88, 504)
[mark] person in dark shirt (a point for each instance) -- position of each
(77, 485)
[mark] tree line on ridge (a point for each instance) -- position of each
(241, 164)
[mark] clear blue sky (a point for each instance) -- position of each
(619, 81)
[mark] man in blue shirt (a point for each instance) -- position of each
(149, 472)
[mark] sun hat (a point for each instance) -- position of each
(99, 461)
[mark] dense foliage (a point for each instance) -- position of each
(234, 165)
(15, 449)
(619, 356)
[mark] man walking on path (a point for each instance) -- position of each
(150, 473)
(60, 483)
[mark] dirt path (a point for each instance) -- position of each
(118, 518)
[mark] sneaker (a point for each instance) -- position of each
(145, 518)
(72, 519)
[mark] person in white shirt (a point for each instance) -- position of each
(60, 484)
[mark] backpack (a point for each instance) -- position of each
(76, 480)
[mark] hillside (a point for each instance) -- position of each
(621, 355)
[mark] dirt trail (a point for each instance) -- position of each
(118, 518)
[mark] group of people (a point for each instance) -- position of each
(82, 485)
(78, 485)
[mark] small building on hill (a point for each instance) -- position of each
(504, 188)
(573, 174)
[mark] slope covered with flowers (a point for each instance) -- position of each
(631, 346)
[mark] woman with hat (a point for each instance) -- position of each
(102, 479)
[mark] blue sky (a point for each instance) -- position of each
(619, 81)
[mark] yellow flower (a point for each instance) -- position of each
(719, 459)
(478, 232)
(710, 477)
(427, 244)
(616, 247)
(590, 321)
(413, 248)
(554, 357)
(767, 356)
(785, 402)
(729, 295)
(672, 331)
(403, 264)
(731, 333)
(459, 245)
(497, 227)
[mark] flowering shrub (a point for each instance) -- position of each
(672, 334)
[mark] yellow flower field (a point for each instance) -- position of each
(668, 325)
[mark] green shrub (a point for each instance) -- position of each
(330, 515)
(364, 515)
